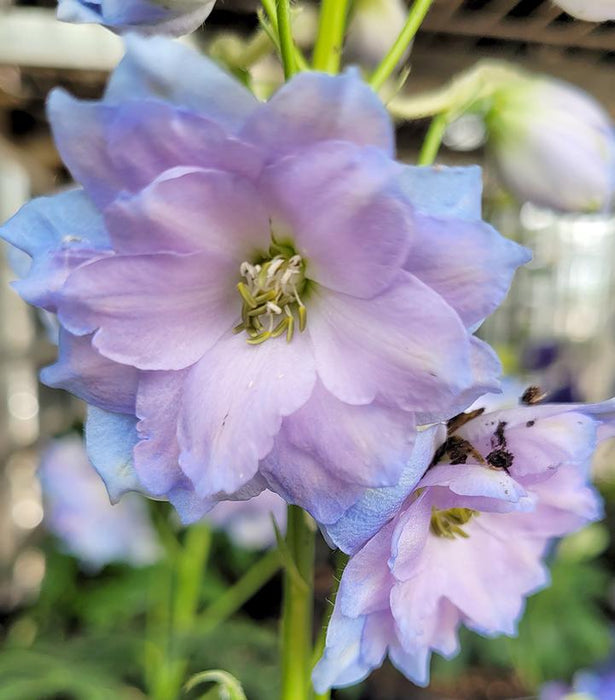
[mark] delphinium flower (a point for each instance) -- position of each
(468, 543)
(591, 10)
(249, 523)
(553, 144)
(252, 294)
(173, 17)
(78, 512)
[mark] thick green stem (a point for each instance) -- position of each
(287, 45)
(415, 18)
(247, 586)
(331, 28)
(272, 29)
(433, 140)
(297, 610)
(177, 608)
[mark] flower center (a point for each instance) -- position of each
(447, 523)
(270, 292)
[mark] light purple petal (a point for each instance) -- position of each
(186, 211)
(406, 346)
(314, 107)
(152, 311)
(97, 380)
(327, 451)
(234, 401)
(156, 455)
(340, 207)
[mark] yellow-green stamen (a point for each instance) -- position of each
(448, 523)
(270, 292)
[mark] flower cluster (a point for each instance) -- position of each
(259, 303)
(467, 545)
(256, 295)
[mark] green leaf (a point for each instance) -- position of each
(229, 688)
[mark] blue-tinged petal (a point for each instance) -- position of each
(109, 148)
(378, 506)
(316, 107)
(110, 439)
(166, 70)
(444, 192)
(59, 233)
(78, 11)
(97, 380)
(467, 262)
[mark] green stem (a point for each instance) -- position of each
(331, 28)
(233, 598)
(298, 607)
(433, 139)
(180, 595)
(389, 62)
(273, 31)
(287, 45)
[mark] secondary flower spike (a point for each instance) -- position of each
(468, 543)
(256, 295)
(173, 17)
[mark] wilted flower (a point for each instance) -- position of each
(591, 10)
(78, 512)
(467, 545)
(174, 17)
(553, 144)
(373, 29)
(249, 523)
(256, 294)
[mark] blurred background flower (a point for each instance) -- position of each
(79, 514)
(145, 16)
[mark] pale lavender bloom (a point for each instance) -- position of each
(468, 544)
(553, 144)
(173, 17)
(79, 514)
(590, 10)
(249, 523)
(372, 274)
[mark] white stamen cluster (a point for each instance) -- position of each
(270, 292)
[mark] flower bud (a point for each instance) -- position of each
(374, 27)
(590, 10)
(553, 144)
